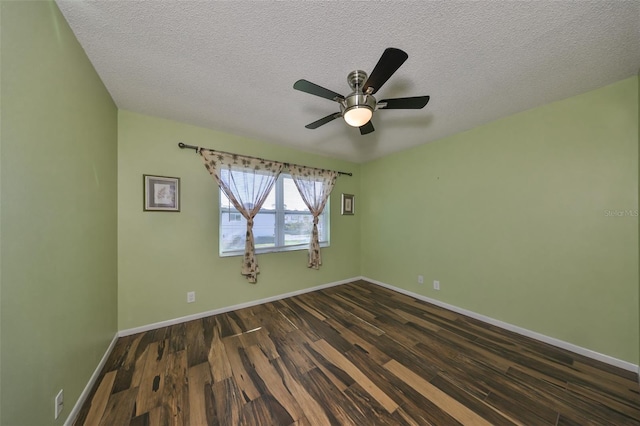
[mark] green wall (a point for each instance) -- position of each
(58, 215)
(162, 256)
(518, 220)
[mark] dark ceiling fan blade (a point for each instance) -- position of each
(389, 63)
(324, 120)
(417, 102)
(367, 128)
(314, 89)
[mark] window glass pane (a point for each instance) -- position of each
(284, 221)
(232, 231)
(233, 228)
(269, 204)
(264, 230)
(297, 228)
(292, 199)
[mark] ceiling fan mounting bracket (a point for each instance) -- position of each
(356, 80)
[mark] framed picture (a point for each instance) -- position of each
(161, 193)
(348, 204)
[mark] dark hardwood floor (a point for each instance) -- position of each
(356, 354)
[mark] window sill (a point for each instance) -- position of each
(273, 249)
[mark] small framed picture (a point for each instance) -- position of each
(161, 193)
(348, 204)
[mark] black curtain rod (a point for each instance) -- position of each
(197, 149)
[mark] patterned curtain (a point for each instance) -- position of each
(246, 182)
(315, 186)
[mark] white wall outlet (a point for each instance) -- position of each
(420, 279)
(191, 297)
(436, 285)
(59, 403)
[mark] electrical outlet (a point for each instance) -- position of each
(191, 297)
(59, 403)
(436, 285)
(420, 279)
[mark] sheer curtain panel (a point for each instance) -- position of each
(246, 182)
(315, 186)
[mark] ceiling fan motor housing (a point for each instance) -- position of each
(357, 100)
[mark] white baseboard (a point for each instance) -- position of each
(92, 380)
(523, 331)
(179, 320)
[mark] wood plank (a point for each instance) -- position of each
(199, 378)
(274, 382)
(259, 337)
(138, 368)
(461, 413)
(626, 410)
(313, 412)
(373, 412)
(291, 349)
(338, 408)
(265, 410)
(240, 368)
(217, 357)
(175, 399)
(471, 401)
(157, 417)
(100, 399)
(417, 320)
(152, 382)
(332, 355)
(358, 341)
(118, 354)
(509, 396)
(124, 379)
(143, 420)
(120, 408)
(228, 402)
(315, 328)
(568, 405)
(402, 354)
(198, 351)
(407, 397)
(177, 337)
(248, 318)
(336, 375)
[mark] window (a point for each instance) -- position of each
(283, 223)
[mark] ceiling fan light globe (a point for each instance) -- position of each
(358, 115)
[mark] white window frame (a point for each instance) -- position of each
(280, 214)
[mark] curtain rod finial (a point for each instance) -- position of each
(184, 145)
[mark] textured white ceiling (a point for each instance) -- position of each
(230, 66)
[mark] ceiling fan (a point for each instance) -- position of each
(358, 106)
